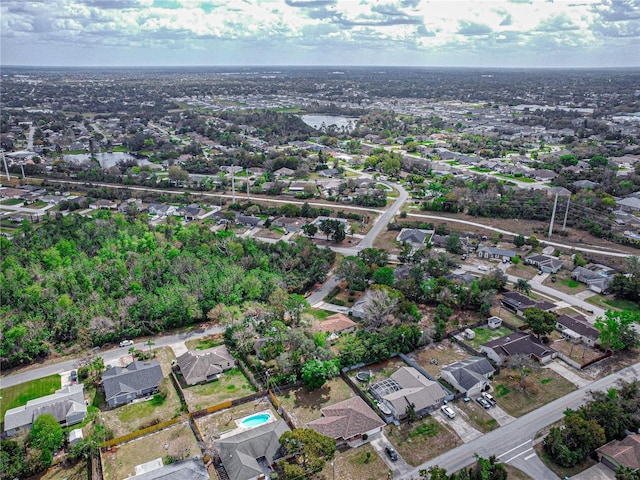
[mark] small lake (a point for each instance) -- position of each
(316, 121)
(106, 160)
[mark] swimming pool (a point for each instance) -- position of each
(255, 420)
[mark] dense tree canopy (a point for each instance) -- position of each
(76, 279)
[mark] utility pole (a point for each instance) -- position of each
(566, 213)
(553, 215)
(6, 169)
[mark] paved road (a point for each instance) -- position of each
(109, 356)
(600, 250)
(512, 443)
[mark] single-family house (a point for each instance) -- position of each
(517, 343)
(292, 224)
(124, 384)
(67, 405)
(494, 252)
(597, 279)
(248, 221)
(623, 453)
(585, 184)
(205, 365)
(335, 325)
(161, 209)
(408, 386)
(517, 303)
(546, 263)
(103, 204)
(577, 328)
(192, 212)
(543, 174)
(629, 204)
(329, 172)
(249, 454)
(283, 172)
(348, 421)
(192, 468)
(469, 376)
(417, 238)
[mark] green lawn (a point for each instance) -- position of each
(612, 303)
(519, 179)
(483, 335)
(232, 384)
(37, 205)
(19, 395)
(481, 170)
(12, 201)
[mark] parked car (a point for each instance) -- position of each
(73, 377)
(540, 272)
(505, 260)
(489, 398)
(482, 268)
(391, 452)
(448, 411)
(483, 403)
(464, 256)
(126, 343)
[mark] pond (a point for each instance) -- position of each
(317, 121)
(106, 160)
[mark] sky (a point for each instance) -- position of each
(437, 33)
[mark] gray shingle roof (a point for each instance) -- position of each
(136, 376)
(188, 469)
(239, 453)
(198, 366)
(469, 372)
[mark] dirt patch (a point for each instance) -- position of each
(518, 396)
(422, 440)
(304, 406)
(523, 271)
(362, 463)
(176, 442)
(477, 416)
(77, 471)
(436, 355)
(580, 353)
(612, 364)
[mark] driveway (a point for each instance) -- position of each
(399, 467)
(459, 424)
(500, 415)
(566, 372)
(597, 472)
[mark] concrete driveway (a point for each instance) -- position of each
(400, 466)
(597, 472)
(500, 415)
(459, 424)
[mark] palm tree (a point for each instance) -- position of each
(132, 350)
(523, 286)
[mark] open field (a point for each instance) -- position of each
(354, 464)
(421, 441)
(232, 384)
(609, 302)
(304, 406)
(541, 387)
(444, 353)
(19, 395)
(177, 442)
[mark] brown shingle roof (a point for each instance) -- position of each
(346, 419)
(625, 452)
(335, 323)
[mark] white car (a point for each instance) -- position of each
(482, 268)
(489, 398)
(448, 411)
(126, 343)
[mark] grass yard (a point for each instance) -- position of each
(36, 205)
(232, 384)
(212, 426)
(177, 441)
(20, 394)
(205, 343)
(12, 201)
(387, 241)
(609, 302)
(477, 416)
(354, 464)
(304, 406)
(318, 314)
(484, 335)
(421, 441)
(77, 471)
(564, 283)
(542, 386)
(523, 271)
(444, 352)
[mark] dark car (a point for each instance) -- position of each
(391, 452)
(73, 376)
(483, 402)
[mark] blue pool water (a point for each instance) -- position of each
(255, 420)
